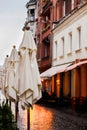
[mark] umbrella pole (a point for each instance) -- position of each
(16, 110)
(28, 118)
(6, 101)
(16, 113)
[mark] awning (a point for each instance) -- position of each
(76, 65)
(54, 70)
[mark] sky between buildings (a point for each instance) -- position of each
(13, 14)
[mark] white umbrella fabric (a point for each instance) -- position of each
(2, 98)
(14, 61)
(11, 72)
(29, 78)
(5, 72)
(2, 79)
(28, 81)
(6, 65)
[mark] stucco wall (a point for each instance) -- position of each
(70, 25)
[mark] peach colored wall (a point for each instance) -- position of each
(78, 83)
(53, 84)
(66, 87)
(84, 81)
(58, 86)
(73, 75)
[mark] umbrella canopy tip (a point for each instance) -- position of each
(18, 52)
(26, 28)
(14, 46)
(7, 55)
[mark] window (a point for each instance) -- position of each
(32, 14)
(62, 47)
(72, 4)
(79, 37)
(70, 43)
(46, 50)
(86, 34)
(55, 50)
(38, 50)
(64, 7)
(31, 23)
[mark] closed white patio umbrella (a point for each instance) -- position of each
(5, 71)
(11, 72)
(29, 78)
(5, 65)
(2, 97)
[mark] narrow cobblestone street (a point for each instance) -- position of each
(46, 118)
(66, 121)
(54, 119)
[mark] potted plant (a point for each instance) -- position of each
(6, 118)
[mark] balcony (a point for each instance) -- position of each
(46, 6)
(46, 28)
(45, 61)
(46, 40)
(46, 31)
(46, 3)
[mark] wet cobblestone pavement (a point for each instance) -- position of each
(45, 118)
(64, 121)
(49, 118)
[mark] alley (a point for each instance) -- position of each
(46, 118)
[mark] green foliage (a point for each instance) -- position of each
(6, 118)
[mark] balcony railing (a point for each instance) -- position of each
(46, 4)
(45, 58)
(46, 28)
(45, 1)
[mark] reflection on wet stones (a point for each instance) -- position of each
(45, 118)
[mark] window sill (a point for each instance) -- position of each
(61, 57)
(69, 53)
(78, 50)
(54, 59)
(38, 60)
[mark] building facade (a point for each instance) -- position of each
(69, 57)
(44, 34)
(70, 41)
(31, 16)
(48, 12)
(60, 31)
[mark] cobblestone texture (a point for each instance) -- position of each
(57, 119)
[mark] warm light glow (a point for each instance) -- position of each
(40, 118)
(58, 81)
(42, 80)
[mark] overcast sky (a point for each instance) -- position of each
(13, 14)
